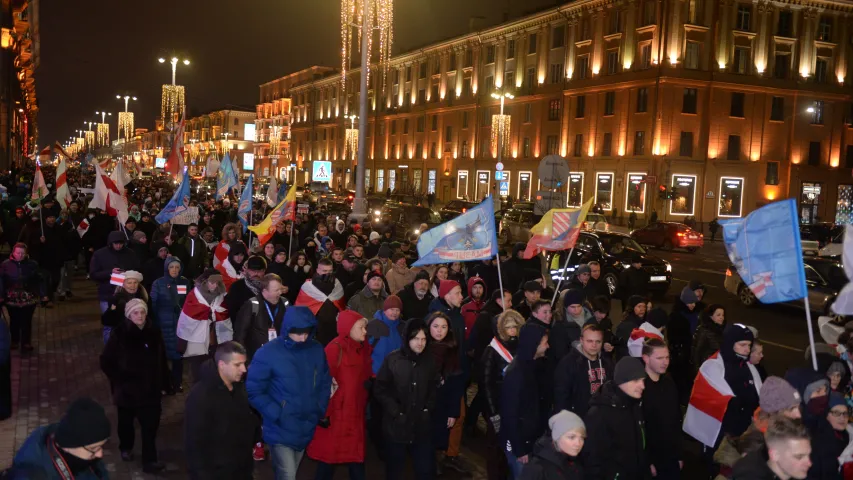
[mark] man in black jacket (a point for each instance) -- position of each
(416, 297)
(113, 258)
(662, 413)
(196, 252)
(786, 456)
(581, 373)
(532, 292)
(634, 280)
(246, 288)
(259, 319)
(220, 427)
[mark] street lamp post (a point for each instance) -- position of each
(125, 118)
(126, 98)
(174, 62)
(104, 115)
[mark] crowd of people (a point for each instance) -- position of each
(325, 338)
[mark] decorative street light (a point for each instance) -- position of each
(172, 98)
(351, 139)
(174, 62)
(501, 126)
(125, 118)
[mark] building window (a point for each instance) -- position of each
(824, 30)
(814, 153)
(462, 184)
(433, 150)
(586, 28)
(509, 79)
(435, 123)
(786, 24)
(485, 149)
(642, 100)
(781, 66)
(531, 77)
(848, 160)
(406, 153)
(465, 151)
(490, 54)
(551, 145)
(528, 112)
(487, 116)
(380, 180)
(635, 193)
(688, 101)
(736, 109)
(685, 194)
(419, 150)
(490, 84)
(580, 106)
(744, 12)
(731, 197)
(556, 72)
(464, 119)
(525, 147)
(436, 66)
(431, 176)
(554, 109)
(640, 142)
(466, 86)
(741, 60)
(578, 149)
(733, 152)
(817, 115)
(469, 58)
(433, 93)
(409, 73)
(451, 64)
(820, 68)
(691, 56)
(448, 134)
(777, 109)
(559, 36)
(394, 151)
(420, 125)
(582, 66)
(771, 177)
(612, 62)
(694, 12)
(422, 70)
(609, 103)
(405, 126)
(607, 146)
(421, 96)
(524, 186)
(604, 191)
(646, 55)
(685, 148)
(649, 11)
(531, 44)
(615, 25)
(510, 49)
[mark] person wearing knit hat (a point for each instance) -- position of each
(416, 296)
(130, 288)
(741, 377)
(633, 317)
(683, 322)
(777, 396)
(615, 446)
(393, 301)
(75, 445)
(555, 456)
(532, 291)
(369, 299)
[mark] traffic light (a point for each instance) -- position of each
(673, 193)
(662, 192)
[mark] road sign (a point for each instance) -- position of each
(553, 170)
(651, 179)
(546, 200)
(499, 166)
(504, 189)
(501, 176)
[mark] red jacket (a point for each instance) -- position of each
(350, 366)
(471, 308)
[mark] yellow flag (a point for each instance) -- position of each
(285, 210)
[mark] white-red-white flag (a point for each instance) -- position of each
(58, 148)
(108, 197)
(175, 162)
(83, 227)
(44, 155)
(63, 196)
(39, 187)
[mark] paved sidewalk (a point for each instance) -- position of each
(65, 366)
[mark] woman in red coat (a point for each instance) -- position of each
(340, 438)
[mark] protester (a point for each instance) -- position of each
(709, 334)
(129, 289)
(786, 456)
(371, 298)
(654, 326)
(485, 326)
(600, 306)
(556, 456)
(634, 280)
(231, 268)
(581, 373)
(260, 318)
(196, 251)
(134, 360)
(829, 438)
(247, 287)
(443, 347)
(532, 293)
(682, 325)
(289, 384)
(473, 303)
(204, 321)
(439, 275)
(323, 295)
(661, 413)
(168, 295)
(113, 258)
(219, 427)
(302, 269)
(399, 275)
(71, 448)
(632, 318)
(566, 331)
(21, 287)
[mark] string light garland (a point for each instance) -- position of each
(90, 138)
(172, 102)
(275, 140)
(380, 16)
(500, 133)
(103, 134)
(351, 143)
(125, 124)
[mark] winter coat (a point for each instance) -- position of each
(134, 360)
(398, 277)
(633, 281)
(219, 429)
(204, 322)
(21, 283)
(573, 385)
(406, 388)
(706, 340)
(662, 416)
(326, 300)
(114, 315)
(827, 445)
(457, 324)
(53, 249)
(366, 302)
(196, 254)
(343, 441)
(482, 333)
(753, 467)
(623, 333)
(493, 368)
(489, 274)
(252, 328)
(738, 376)
(522, 416)
(471, 307)
(105, 259)
(413, 307)
(385, 345)
(546, 463)
(289, 383)
(34, 460)
(449, 392)
(167, 300)
(615, 444)
(238, 295)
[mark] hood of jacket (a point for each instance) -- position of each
(611, 395)
(170, 260)
(340, 226)
(345, 324)
(298, 317)
(236, 248)
(116, 236)
(528, 341)
(229, 227)
(500, 326)
(473, 281)
(803, 377)
(408, 328)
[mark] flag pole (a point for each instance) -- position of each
(41, 222)
(565, 266)
(292, 227)
(500, 279)
(811, 332)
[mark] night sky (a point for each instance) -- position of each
(90, 54)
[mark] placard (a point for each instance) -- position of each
(302, 208)
(117, 279)
(188, 216)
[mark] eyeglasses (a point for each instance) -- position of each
(838, 413)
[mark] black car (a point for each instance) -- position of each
(614, 252)
(822, 232)
(404, 219)
(455, 208)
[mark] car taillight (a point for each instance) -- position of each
(464, 210)
(679, 234)
(728, 272)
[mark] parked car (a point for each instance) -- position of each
(341, 209)
(516, 223)
(455, 208)
(825, 277)
(835, 247)
(596, 221)
(669, 235)
(822, 232)
(614, 252)
(405, 219)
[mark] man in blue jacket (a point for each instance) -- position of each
(289, 384)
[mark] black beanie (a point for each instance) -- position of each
(422, 275)
(256, 263)
(84, 423)
(628, 369)
(657, 318)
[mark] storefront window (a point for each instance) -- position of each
(731, 197)
(484, 178)
(404, 180)
(685, 187)
(524, 185)
(366, 179)
(604, 190)
(844, 207)
(380, 181)
(574, 190)
(417, 175)
(392, 180)
(431, 174)
(635, 193)
(809, 201)
(462, 184)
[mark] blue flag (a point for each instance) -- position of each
(89, 158)
(226, 178)
(470, 236)
(765, 248)
(245, 204)
(179, 202)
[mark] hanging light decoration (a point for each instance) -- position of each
(125, 124)
(172, 103)
(351, 144)
(500, 133)
(275, 140)
(380, 15)
(103, 134)
(90, 137)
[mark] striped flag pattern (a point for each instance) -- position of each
(39, 187)
(63, 196)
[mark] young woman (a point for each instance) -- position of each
(555, 456)
(709, 334)
(131, 288)
(21, 287)
(442, 272)
(269, 253)
(302, 271)
(167, 299)
(444, 349)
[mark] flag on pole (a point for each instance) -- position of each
(843, 304)
(175, 162)
(245, 206)
(226, 179)
(108, 197)
(285, 210)
(44, 155)
(62, 193)
(179, 202)
(83, 227)
(558, 230)
(272, 192)
(39, 188)
(765, 249)
(470, 236)
(120, 176)
(58, 148)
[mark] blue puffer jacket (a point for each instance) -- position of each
(166, 305)
(385, 345)
(33, 460)
(289, 383)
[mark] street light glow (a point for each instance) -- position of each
(810, 110)
(161, 60)
(174, 59)
(186, 62)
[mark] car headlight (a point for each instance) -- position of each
(417, 232)
(377, 212)
(626, 265)
(668, 267)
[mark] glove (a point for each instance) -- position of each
(324, 423)
(377, 328)
(496, 422)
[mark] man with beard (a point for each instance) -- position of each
(488, 271)
(400, 274)
(349, 270)
(371, 298)
(416, 297)
(196, 252)
(247, 287)
(324, 296)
